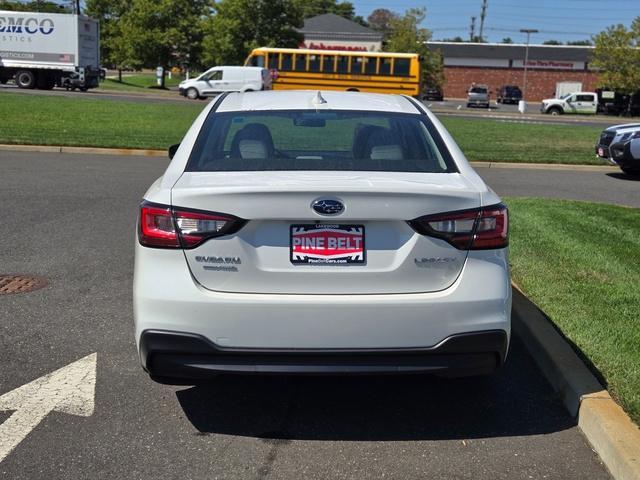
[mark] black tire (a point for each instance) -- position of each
(631, 170)
(352, 90)
(45, 82)
(192, 93)
(555, 111)
(25, 79)
(84, 89)
(468, 105)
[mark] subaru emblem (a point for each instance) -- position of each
(325, 206)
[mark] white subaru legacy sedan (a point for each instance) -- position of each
(320, 233)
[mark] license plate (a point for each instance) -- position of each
(601, 152)
(327, 244)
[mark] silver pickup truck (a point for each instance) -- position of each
(620, 145)
(478, 96)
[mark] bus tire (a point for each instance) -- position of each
(352, 89)
(25, 79)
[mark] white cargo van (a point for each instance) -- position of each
(226, 79)
(576, 102)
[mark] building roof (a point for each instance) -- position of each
(307, 100)
(330, 26)
(513, 51)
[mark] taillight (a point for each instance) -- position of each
(477, 229)
(161, 226)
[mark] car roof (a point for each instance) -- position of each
(308, 100)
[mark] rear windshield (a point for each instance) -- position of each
(319, 140)
(478, 90)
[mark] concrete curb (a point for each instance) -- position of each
(609, 430)
(86, 150)
(163, 153)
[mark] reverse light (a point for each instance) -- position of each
(162, 226)
(475, 229)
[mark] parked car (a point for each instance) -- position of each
(432, 93)
(509, 94)
(620, 145)
(226, 79)
(577, 102)
(320, 232)
(478, 96)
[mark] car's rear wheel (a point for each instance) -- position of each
(192, 94)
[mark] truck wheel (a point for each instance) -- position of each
(25, 79)
(192, 94)
(555, 111)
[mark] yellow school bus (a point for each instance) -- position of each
(298, 69)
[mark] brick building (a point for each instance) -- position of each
(497, 64)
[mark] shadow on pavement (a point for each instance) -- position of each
(515, 401)
(624, 176)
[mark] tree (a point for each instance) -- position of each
(380, 20)
(311, 8)
(507, 40)
(617, 56)
(35, 6)
(114, 48)
(230, 36)
(586, 43)
(407, 36)
(162, 33)
(552, 42)
(456, 39)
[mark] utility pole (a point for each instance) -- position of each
(483, 13)
(472, 32)
(528, 31)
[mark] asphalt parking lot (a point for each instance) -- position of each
(70, 218)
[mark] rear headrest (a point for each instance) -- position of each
(387, 152)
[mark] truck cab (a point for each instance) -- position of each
(576, 102)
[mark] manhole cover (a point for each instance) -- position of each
(20, 283)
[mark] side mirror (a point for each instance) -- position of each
(172, 150)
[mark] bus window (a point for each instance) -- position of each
(314, 63)
(343, 64)
(273, 61)
(356, 65)
(301, 62)
(385, 66)
(256, 60)
(287, 62)
(328, 62)
(401, 67)
(370, 65)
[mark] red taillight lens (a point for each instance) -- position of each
(477, 229)
(164, 227)
(156, 228)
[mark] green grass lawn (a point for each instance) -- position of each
(496, 141)
(138, 83)
(580, 263)
(50, 120)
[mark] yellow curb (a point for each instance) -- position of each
(613, 436)
(609, 430)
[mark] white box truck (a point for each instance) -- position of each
(564, 88)
(42, 50)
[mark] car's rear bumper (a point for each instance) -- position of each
(167, 298)
(175, 355)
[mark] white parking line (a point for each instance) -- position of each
(70, 389)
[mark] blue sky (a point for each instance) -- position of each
(563, 20)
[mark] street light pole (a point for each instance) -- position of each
(528, 31)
